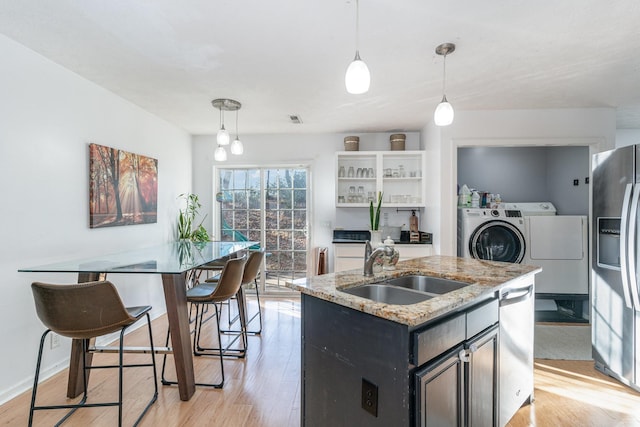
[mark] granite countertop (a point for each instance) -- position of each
(484, 278)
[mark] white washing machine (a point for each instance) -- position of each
(491, 234)
(559, 244)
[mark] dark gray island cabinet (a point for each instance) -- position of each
(435, 363)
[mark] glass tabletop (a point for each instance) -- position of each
(169, 258)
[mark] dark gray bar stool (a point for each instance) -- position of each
(85, 311)
(214, 293)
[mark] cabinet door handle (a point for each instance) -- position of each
(464, 356)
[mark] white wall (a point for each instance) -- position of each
(49, 115)
(626, 137)
(316, 150)
(594, 127)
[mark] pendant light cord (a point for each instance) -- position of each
(237, 112)
(444, 74)
(357, 26)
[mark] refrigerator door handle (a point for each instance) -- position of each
(631, 244)
(624, 226)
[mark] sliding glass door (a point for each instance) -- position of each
(268, 205)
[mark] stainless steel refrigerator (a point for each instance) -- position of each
(615, 313)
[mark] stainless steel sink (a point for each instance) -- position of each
(430, 284)
(388, 294)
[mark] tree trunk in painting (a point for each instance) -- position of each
(114, 159)
(110, 159)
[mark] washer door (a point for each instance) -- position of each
(497, 241)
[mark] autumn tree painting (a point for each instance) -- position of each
(123, 187)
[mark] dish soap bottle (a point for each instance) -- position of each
(390, 262)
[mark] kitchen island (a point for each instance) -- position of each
(433, 362)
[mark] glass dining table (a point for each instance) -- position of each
(171, 260)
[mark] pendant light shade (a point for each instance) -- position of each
(222, 137)
(236, 147)
(220, 155)
(443, 116)
(357, 79)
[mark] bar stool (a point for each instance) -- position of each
(207, 293)
(85, 311)
(250, 274)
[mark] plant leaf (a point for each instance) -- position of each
(377, 222)
(371, 219)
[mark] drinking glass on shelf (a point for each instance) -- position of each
(352, 190)
(341, 172)
(340, 199)
(351, 172)
(371, 173)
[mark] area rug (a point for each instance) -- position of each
(563, 342)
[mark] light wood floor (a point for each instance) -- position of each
(264, 389)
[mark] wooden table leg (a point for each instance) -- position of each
(175, 294)
(75, 383)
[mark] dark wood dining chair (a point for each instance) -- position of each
(85, 311)
(208, 294)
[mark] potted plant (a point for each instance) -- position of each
(374, 222)
(187, 218)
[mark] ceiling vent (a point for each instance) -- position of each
(295, 119)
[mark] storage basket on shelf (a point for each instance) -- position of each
(397, 141)
(351, 143)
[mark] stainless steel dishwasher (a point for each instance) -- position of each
(516, 349)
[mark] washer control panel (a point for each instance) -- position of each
(488, 213)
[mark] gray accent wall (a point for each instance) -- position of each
(529, 174)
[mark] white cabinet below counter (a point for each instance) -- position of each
(349, 256)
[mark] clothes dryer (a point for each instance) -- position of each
(559, 244)
(491, 234)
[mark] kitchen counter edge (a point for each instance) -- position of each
(484, 278)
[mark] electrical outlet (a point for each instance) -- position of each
(55, 340)
(370, 397)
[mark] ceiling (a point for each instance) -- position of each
(284, 57)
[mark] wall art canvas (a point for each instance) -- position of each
(123, 187)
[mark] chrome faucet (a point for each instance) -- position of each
(370, 256)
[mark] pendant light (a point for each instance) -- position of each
(236, 146)
(223, 134)
(443, 116)
(222, 138)
(220, 155)
(357, 79)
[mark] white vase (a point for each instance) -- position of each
(376, 238)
